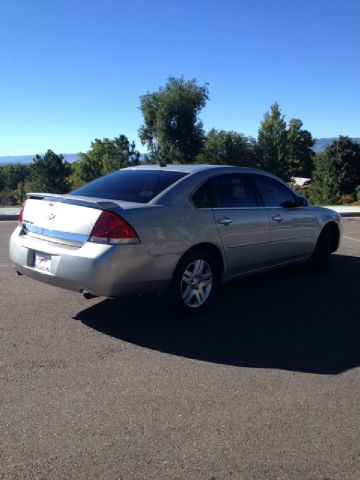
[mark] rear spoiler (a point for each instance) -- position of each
(73, 199)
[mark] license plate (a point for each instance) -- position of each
(42, 261)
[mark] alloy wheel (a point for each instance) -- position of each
(196, 283)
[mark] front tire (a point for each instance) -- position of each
(194, 282)
(321, 257)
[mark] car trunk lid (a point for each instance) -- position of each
(63, 219)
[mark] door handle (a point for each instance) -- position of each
(224, 221)
(277, 218)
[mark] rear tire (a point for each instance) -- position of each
(194, 283)
(321, 257)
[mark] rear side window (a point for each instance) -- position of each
(203, 196)
(139, 186)
(234, 191)
(273, 193)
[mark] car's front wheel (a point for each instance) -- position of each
(194, 282)
(321, 256)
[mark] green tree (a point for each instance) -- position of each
(228, 148)
(12, 180)
(48, 173)
(13, 174)
(104, 156)
(325, 188)
(299, 154)
(344, 153)
(172, 131)
(2, 179)
(272, 143)
(337, 171)
(19, 194)
(357, 192)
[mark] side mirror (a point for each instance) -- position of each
(302, 202)
(289, 204)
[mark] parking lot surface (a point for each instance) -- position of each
(265, 385)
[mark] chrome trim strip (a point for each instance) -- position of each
(71, 237)
(259, 207)
(291, 238)
(266, 242)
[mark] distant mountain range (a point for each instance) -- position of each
(26, 159)
(320, 145)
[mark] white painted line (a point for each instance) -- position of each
(351, 238)
(6, 265)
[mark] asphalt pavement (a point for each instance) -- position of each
(263, 386)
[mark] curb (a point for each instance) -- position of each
(8, 217)
(350, 215)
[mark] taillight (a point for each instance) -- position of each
(21, 214)
(110, 228)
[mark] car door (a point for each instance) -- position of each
(292, 227)
(242, 223)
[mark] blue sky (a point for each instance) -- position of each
(71, 71)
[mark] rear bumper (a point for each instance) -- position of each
(103, 270)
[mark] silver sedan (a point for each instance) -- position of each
(178, 229)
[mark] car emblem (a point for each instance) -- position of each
(51, 216)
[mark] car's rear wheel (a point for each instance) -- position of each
(195, 281)
(321, 257)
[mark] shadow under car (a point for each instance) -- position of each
(288, 319)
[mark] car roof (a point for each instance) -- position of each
(193, 168)
(173, 167)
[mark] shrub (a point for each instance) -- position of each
(357, 191)
(345, 199)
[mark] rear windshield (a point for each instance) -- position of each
(139, 186)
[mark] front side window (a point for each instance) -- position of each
(234, 191)
(273, 193)
(139, 186)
